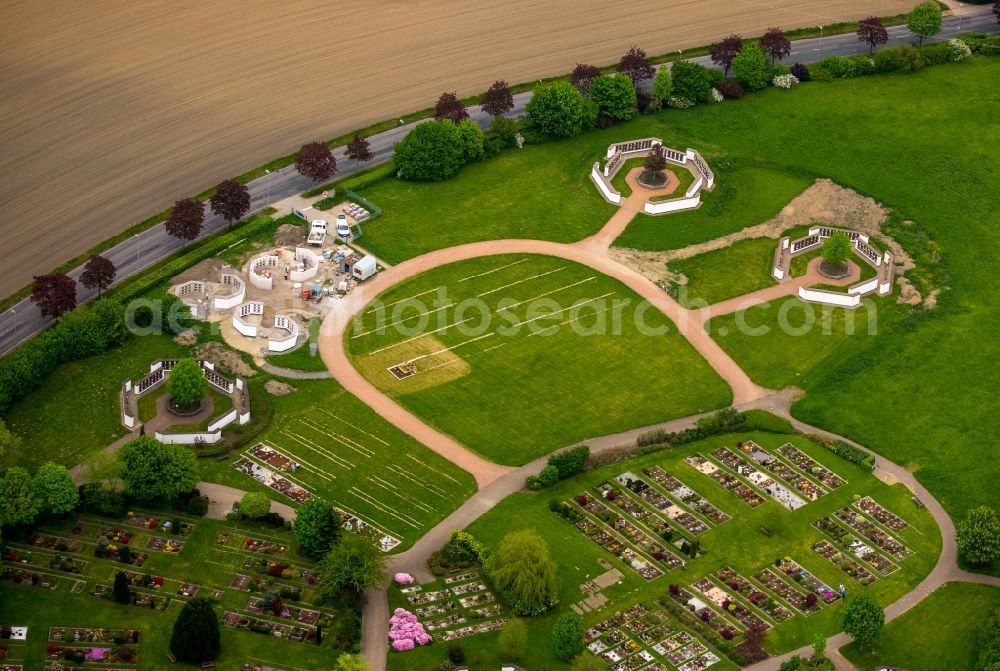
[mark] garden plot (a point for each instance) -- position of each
(463, 606)
(873, 533)
(738, 464)
(801, 484)
(854, 546)
(804, 602)
(645, 637)
(846, 564)
(682, 493)
(629, 499)
(870, 507)
(726, 480)
(727, 603)
(118, 647)
(510, 321)
(807, 464)
(757, 597)
(720, 621)
(794, 573)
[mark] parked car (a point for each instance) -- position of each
(343, 228)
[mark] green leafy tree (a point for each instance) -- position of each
(585, 661)
(9, 441)
(924, 20)
(662, 85)
(505, 129)
(523, 572)
(56, 487)
(153, 471)
(978, 536)
(255, 505)
(349, 662)
(186, 383)
(837, 249)
(751, 67)
(691, 81)
(512, 639)
(557, 110)
(863, 619)
(195, 638)
(471, 138)
(353, 565)
(317, 528)
(19, 503)
(614, 97)
(121, 591)
(656, 159)
(567, 636)
(432, 151)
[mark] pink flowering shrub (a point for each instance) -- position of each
(405, 631)
(403, 579)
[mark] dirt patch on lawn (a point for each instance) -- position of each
(823, 202)
(276, 388)
(289, 235)
(226, 360)
(207, 270)
(431, 365)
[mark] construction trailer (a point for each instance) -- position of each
(364, 268)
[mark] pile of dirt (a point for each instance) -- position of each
(207, 270)
(289, 235)
(186, 338)
(276, 388)
(225, 359)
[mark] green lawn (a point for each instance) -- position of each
(300, 358)
(514, 396)
(75, 412)
(737, 543)
(792, 342)
(356, 459)
(684, 177)
(202, 561)
(941, 632)
(725, 273)
(540, 192)
(746, 193)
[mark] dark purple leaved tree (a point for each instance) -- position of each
(498, 99)
(450, 107)
(54, 294)
(636, 66)
(872, 32)
(724, 51)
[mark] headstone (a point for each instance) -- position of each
(313, 349)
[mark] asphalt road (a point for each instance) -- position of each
(130, 256)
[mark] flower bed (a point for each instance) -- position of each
(807, 464)
(719, 623)
(280, 609)
(871, 507)
(632, 533)
(799, 576)
(20, 576)
(120, 655)
(88, 635)
(264, 546)
(445, 622)
(114, 535)
(280, 569)
(261, 626)
(751, 593)
(271, 479)
(742, 466)
(855, 546)
(826, 549)
(872, 532)
(462, 577)
(152, 522)
(168, 545)
(686, 495)
(772, 464)
(806, 604)
(472, 630)
(639, 487)
(725, 602)
(405, 631)
(726, 480)
(50, 542)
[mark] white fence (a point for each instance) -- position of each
(245, 398)
(261, 269)
(694, 188)
(282, 344)
(608, 191)
(235, 297)
(703, 168)
(673, 205)
(310, 265)
(189, 438)
(863, 287)
(829, 297)
(249, 308)
(223, 421)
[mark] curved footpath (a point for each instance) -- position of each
(497, 482)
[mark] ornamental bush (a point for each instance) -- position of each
(959, 50)
(558, 110)
(785, 81)
(751, 67)
(614, 96)
(432, 151)
(690, 82)
(195, 638)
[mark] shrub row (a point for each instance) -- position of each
(983, 44)
(845, 451)
(562, 465)
(904, 59)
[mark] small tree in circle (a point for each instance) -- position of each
(195, 638)
(450, 107)
(724, 51)
(582, 75)
(255, 505)
(636, 66)
(837, 249)
(231, 200)
(186, 219)
(863, 619)
(978, 536)
(98, 274)
(654, 164)
(498, 99)
(359, 150)
(775, 44)
(186, 383)
(924, 20)
(872, 32)
(54, 294)
(316, 161)
(121, 592)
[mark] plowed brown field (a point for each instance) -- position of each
(110, 110)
